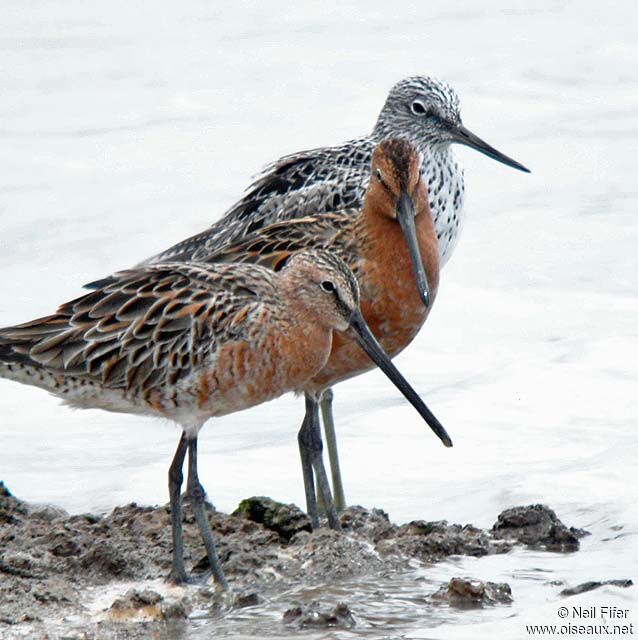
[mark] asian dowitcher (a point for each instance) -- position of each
(193, 341)
(391, 247)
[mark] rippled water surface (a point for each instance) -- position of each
(127, 126)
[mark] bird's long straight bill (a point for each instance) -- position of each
(469, 139)
(369, 344)
(405, 216)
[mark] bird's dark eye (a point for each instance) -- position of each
(328, 286)
(418, 108)
(379, 176)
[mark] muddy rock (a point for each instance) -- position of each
(434, 541)
(243, 600)
(248, 551)
(284, 519)
(330, 555)
(22, 564)
(537, 526)
(137, 601)
(109, 561)
(147, 604)
(595, 584)
(176, 609)
(318, 616)
(372, 524)
(10, 507)
(56, 567)
(465, 593)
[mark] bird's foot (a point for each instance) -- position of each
(178, 577)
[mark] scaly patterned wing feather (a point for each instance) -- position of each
(146, 328)
(306, 183)
(272, 246)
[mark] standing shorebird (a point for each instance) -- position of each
(192, 341)
(391, 247)
(423, 110)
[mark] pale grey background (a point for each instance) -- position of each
(126, 128)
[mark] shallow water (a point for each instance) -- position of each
(124, 129)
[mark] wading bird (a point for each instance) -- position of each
(421, 109)
(189, 341)
(390, 246)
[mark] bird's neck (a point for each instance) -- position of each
(382, 241)
(434, 153)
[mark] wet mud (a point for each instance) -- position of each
(92, 576)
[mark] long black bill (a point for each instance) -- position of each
(466, 137)
(405, 216)
(369, 344)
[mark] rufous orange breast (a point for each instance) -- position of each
(390, 301)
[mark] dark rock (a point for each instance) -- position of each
(47, 512)
(178, 610)
(107, 561)
(21, 565)
(300, 538)
(285, 519)
(147, 604)
(314, 615)
(135, 599)
(46, 596)
(10, 507)
(537, 526)
(243, 600)
(244, 551)
(18, 618)
(88, 518)
(594, 584)
(330, 555)
(65, 546)
(433, 541)
(466, 593)
(372, 524)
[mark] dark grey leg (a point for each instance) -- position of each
(197, 496)
(311, 447)
(304, 439)
(178, 571)
(333, 453)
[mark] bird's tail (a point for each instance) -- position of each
(28, 350)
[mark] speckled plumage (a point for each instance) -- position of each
(188, 341)
(370, 241)
(335, 178)
(192, 341)
(182, 341)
